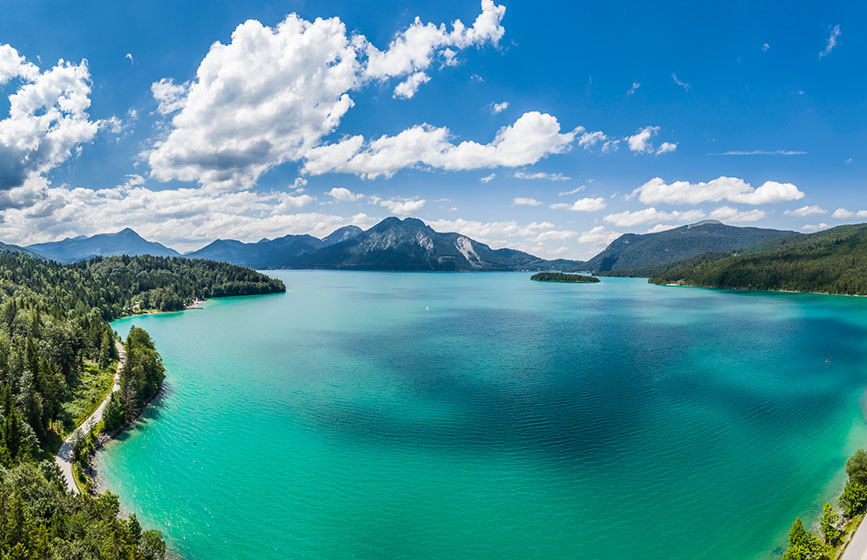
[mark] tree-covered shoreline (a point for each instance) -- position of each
(563, 277)
(54, 323)
(829, 262)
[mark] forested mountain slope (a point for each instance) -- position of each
(635, 254)
(832, 261)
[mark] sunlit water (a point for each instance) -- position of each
(469, 416)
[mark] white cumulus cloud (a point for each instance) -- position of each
(731, 189)
(598, 236)
(402, 207)
(842, 214)
(806, 211)
(413, 49)
(499, 107)
(650, 216)
(407, 88)
(47, 120)
(815, 227)
(532, 137)
(272, 94)
(640, 142)
(588, 204)
(666, 147)
(729, 214)
(342, 194)
(522, 201)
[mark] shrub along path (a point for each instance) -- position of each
(64, 455)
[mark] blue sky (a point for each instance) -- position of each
(549, 127)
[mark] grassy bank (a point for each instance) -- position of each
(88, 389)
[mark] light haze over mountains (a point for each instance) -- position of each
(410, 244)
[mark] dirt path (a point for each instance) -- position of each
(64, 456)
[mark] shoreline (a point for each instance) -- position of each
(64, 458)
(100, 439)
(197, 304)
(679, 285)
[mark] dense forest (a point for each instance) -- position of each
(563, 277)
(141, 377)
(53, 326)
(832, 261)
(119, 285)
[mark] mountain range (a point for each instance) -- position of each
(647, 254)
(410, 244)
(124, 242)
(282, 252)
(392, 244)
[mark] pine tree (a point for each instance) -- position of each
(828, 523)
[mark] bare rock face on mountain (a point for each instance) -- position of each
(410, 244)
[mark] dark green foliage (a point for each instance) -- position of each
(856, 467)
(118, 285)
(803, 545)
(41, 522)
(115, 414)
(832, 261)
(659, 269)
(828, 523)
(143, 373)
(54, 318)
(107, 350)
(563, 277)
(853, 499)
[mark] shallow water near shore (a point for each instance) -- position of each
(441, 416)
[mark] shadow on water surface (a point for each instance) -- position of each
(532, 384)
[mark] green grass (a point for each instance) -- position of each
(87, 390)
(848, 533)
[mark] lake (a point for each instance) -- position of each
(480, 415)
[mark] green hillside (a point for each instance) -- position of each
(832, 261)
(649, 254)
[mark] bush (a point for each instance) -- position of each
(856, 467)
(853, 499)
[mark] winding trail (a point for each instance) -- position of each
(64, 455)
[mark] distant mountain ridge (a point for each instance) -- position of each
(392, 244)
(125, 242)
(410, 244)
(645, 254)
(282, 252)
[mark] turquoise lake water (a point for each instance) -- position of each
(469, 416)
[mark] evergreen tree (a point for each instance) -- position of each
(828, 523)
